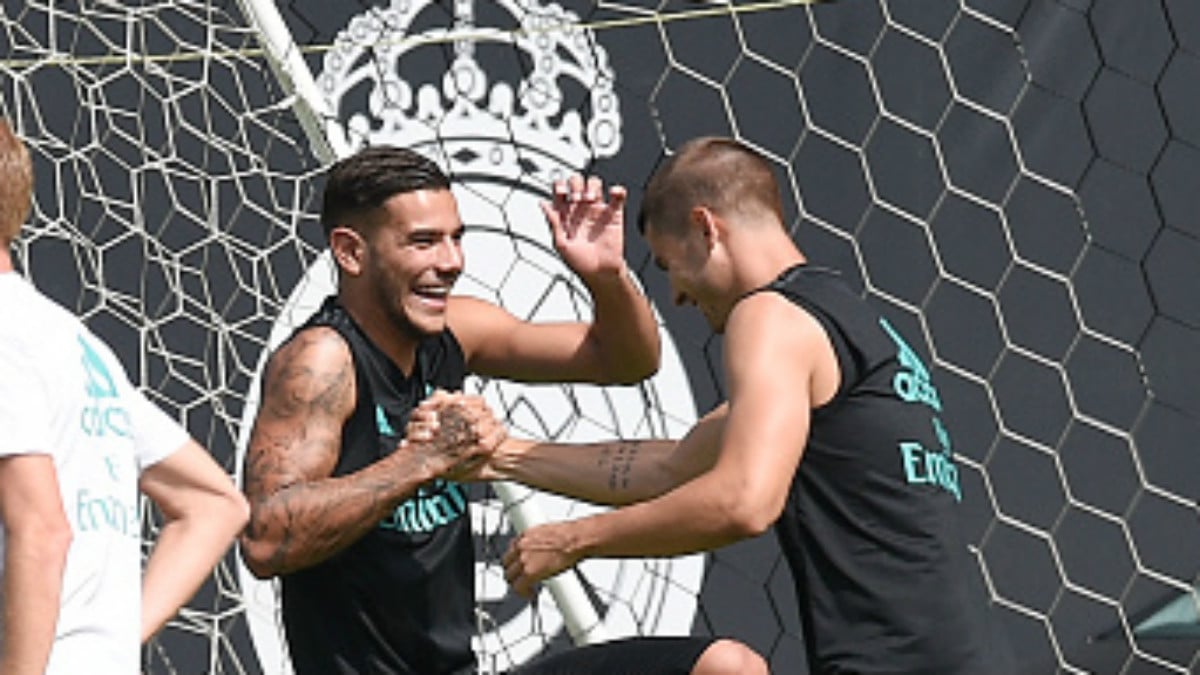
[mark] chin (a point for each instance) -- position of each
(419, 324)
(426, 326)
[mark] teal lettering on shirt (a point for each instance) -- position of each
(930, 467)
(436, 505)
(104, 415)
(912, 383)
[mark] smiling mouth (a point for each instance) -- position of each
(432, 294)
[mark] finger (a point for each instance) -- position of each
(437, 397)
(617, 195)
(511, 553)
(493, 440)
(554, 219)
(561, 192)
(575, 186)
(473, 402)
(524, 587)
(593, 189)
(517, 580)
(420, 434)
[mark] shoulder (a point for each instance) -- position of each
(770, 338)
(314, 349)
(43, 325)
(769, 315)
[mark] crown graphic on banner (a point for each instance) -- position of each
(519, 131)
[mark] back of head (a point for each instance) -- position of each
(16, 184)
(358, 185)
(721, 174)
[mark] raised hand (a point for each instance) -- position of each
(538, 554)
(589, 232)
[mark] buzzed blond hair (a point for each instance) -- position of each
(721, 174)
(16, 183)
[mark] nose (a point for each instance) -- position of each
(450, 256)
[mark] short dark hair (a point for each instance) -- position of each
(16, 183)
(721, 173)
(359, 184)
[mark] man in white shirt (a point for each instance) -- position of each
(77, 443)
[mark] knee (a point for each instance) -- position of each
(730, 657)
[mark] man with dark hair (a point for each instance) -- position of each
(370, 537)
(832, 434)
(78, 443)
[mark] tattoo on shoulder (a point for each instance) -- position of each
(302, 380)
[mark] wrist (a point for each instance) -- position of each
(585, 539)
(505, 462)
(608, 278)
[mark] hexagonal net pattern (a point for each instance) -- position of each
(1012, 180)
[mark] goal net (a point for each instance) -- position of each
(1011, 179)
(178, 148)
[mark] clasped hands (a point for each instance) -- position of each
(460, 434)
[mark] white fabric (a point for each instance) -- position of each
(64, 393)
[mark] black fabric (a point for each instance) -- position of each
(634, 656)
(401, 599)
(870, 528)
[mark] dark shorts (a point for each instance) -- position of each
(632, 656)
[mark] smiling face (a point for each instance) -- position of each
(412, 256)
(695, 276)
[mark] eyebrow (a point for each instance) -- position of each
(422, 231)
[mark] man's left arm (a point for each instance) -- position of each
(203, 511)
(770, 357)
(620, 345)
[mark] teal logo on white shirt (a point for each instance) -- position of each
(104, 416)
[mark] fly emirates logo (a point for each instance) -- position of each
(922, 465)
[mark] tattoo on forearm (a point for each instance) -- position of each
(620, 464)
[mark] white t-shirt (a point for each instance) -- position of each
(64, 393)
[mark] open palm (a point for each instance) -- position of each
(589, 232)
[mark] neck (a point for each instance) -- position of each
(6, 263)
(380, 328)
(760, 256)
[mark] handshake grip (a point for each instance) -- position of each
(454, 434)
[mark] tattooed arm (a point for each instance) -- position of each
(611, 472)
(299, 514)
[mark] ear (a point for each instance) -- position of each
(708, 224)
(348, 249)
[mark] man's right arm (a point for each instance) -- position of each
(299, 514)
(35, 554)
(613, 473)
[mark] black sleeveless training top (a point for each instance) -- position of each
(401, 599)
(870, 527)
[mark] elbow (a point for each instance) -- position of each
(57, 543)
(259, 551)
(239, 511)
(232, 509)
(747, 517)
(258, 557)
(643, 370)
(633, 368)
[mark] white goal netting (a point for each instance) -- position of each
(1012, 179)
